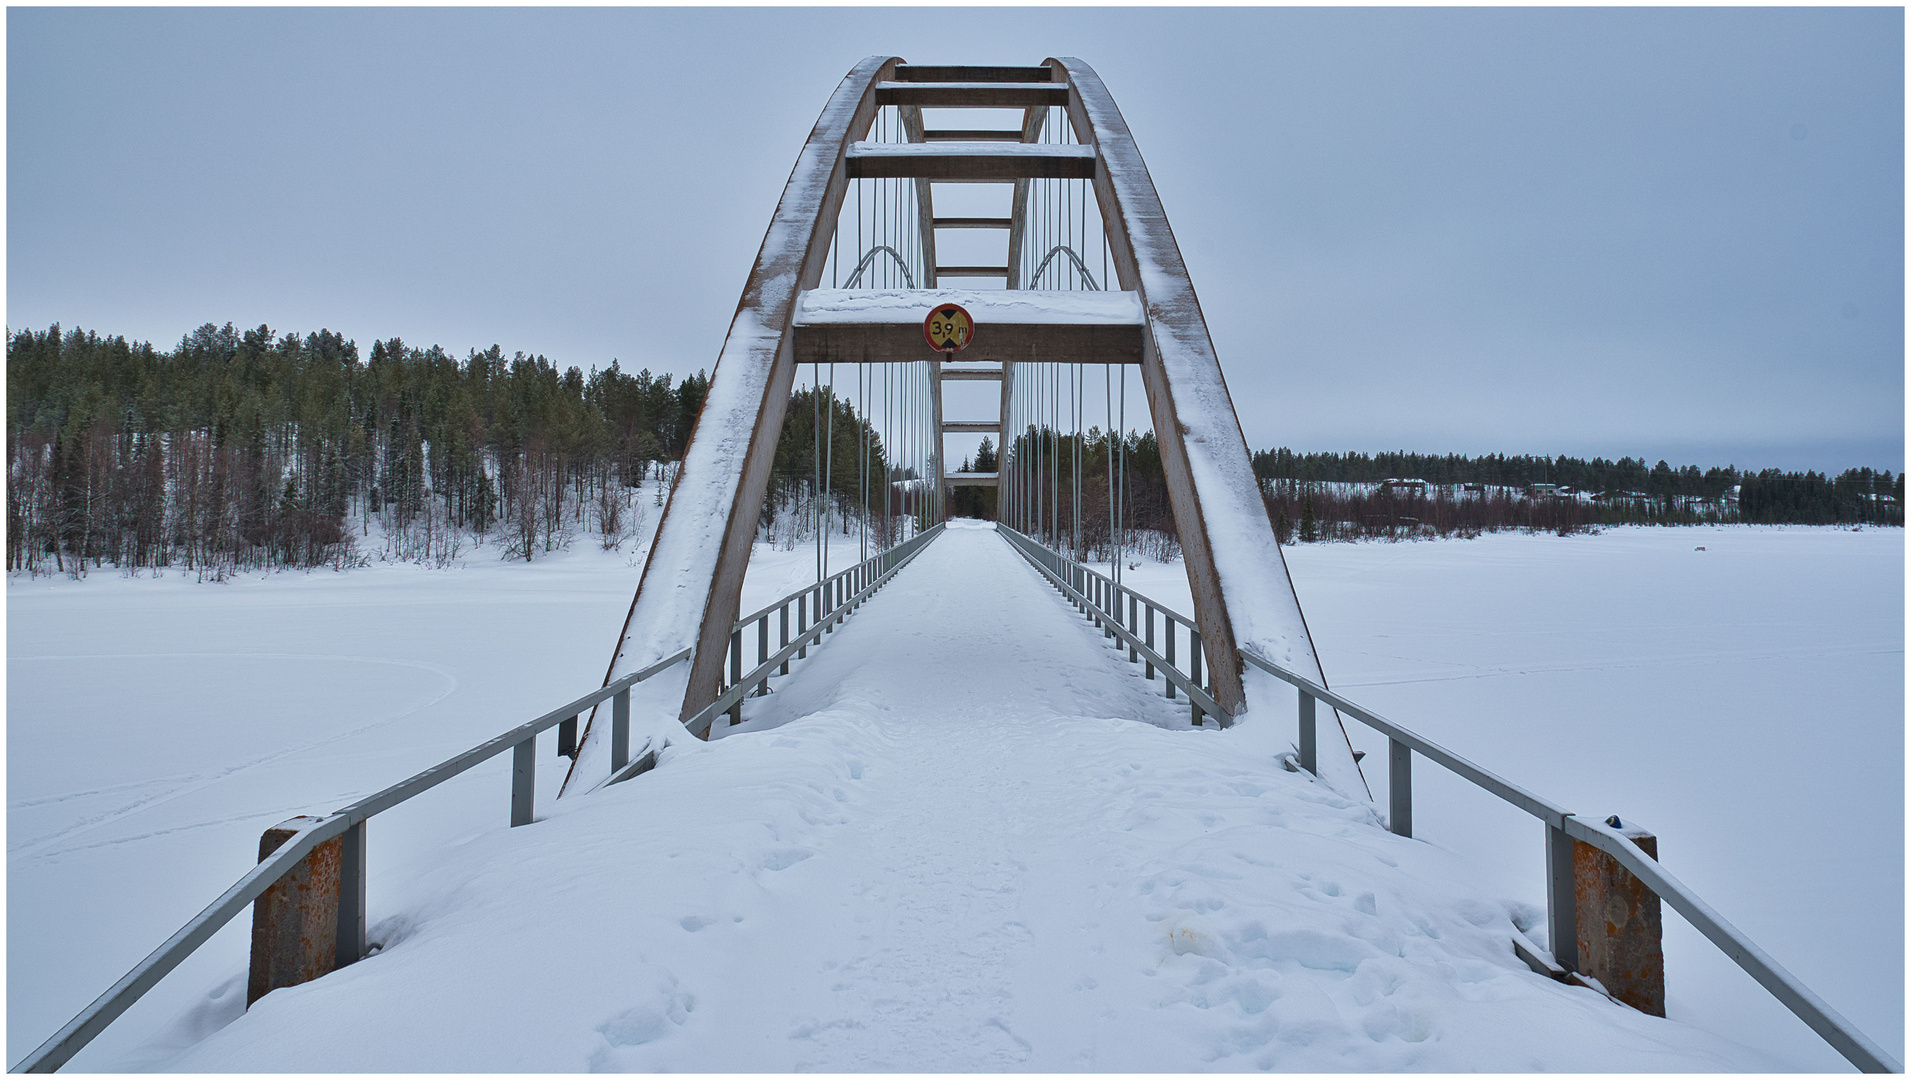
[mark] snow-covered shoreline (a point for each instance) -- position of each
(302, 689)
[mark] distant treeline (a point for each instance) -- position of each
(1631, 492)
(242, 449)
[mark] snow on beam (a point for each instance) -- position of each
(1019, 306)
(885, 326)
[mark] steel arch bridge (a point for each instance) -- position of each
(1074, 179)
(1076, 187)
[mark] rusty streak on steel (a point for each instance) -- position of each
(1620, 930)
(295, 922)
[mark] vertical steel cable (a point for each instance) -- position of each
(816, 463)
(1076, 547)
(862, 418)
(829, 462)
(1055, 456)
(1108, 412)
(1121, 502)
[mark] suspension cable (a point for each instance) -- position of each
(816, 463)
(1108, 411)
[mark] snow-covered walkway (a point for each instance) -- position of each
(946, 844)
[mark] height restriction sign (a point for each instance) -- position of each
(948, 328)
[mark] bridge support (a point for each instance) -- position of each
(1618, 924)
(295, 923)
(693, 577)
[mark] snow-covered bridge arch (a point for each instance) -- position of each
(689, 594)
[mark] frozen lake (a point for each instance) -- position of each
(1745, 702)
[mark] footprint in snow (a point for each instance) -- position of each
(667, 1009)
(783, 860)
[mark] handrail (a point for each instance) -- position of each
(58, 1049)
(866, 577)
(882, 566)
(1101, 597)
(1104, 597)
(1840, 1033)
(1544, 809)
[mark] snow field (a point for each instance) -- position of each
(1745, 702)
(1750, 700)
(940, 847)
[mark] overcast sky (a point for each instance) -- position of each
(1660, 233)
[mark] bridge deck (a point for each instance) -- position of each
(945, 843)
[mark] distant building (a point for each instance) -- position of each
(1404, 486)
(1546, 490)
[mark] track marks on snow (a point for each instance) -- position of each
(171, 788)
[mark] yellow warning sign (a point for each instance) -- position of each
(948, 328)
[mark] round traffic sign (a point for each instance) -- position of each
(948, 328)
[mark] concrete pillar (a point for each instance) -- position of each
(295, 922)
(1619, 925)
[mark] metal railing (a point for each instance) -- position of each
(819, 608)
(1562, 826)
(348, 823)
(1129, 617)
(832, 600)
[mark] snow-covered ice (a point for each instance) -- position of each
(954, 805)
(1739, 690)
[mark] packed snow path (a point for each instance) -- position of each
(946, 844)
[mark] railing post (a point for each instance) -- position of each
(620, 730)
(1133, 611)
(1149, 640)
(736, 673)
(1194, 673)
(763, 652)
(1168, 626)
(349, 938)
(783, 636)
(1308, 756)
(567, 738)
(1562, 929)
(1399, 787)
(523, 781)
(802, 624)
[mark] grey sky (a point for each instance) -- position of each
(1668, 233)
